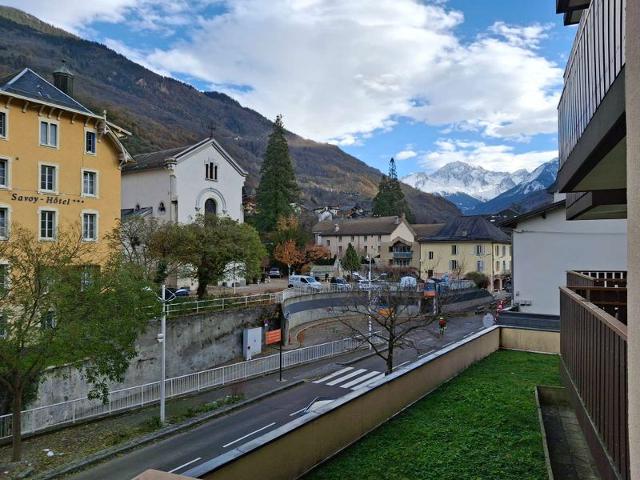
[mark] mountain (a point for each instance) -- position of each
(460, 177)
(528, 195)
(164, 113)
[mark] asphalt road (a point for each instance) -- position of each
(182, 452)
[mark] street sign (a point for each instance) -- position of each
(273, 336)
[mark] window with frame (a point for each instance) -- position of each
(328, 243)
(480, 266)
(365, 238)
(48, 134)
(3, 124)
(479, 249)
(4, 223)
(4, 172)
(504, 265)
(4, 277)
(89, 226)
(497, 265)
(453, 264)
(47, 224)
(48, 320)
(340, 249)
(504, 250)
(48, 178)
(497, 250)
(89, 183)
(430, 255)
(211, 171)
(90, 142)
(339, 238)
(454, 249)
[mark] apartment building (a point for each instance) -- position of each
(389, 240)
(599, 142)
(466, 244)
(59, 161)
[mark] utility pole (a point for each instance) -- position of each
(162, 340)
(369, 294)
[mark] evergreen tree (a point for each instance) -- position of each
(278, 189)
(351, 260)
(390, 199)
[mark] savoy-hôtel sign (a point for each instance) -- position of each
(45, 199)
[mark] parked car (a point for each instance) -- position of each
(170, 293)
(339, 283)
(274, 272)
(366, 285)
(304, 281)
(408, 283)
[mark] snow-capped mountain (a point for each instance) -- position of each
(473, 189)
(460, 177)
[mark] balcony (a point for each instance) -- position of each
(591, 124)
(593, 347)
(402, 254)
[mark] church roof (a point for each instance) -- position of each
(358, 226)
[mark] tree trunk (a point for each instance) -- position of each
(202, 287)
(16, 430)
(389, 357)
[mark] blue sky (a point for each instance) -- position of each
(426, 81)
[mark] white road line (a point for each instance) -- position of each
(334, 374)
(248, 435)
(425, 354)
(360, 379)
(364, 384)
(345, 377)
(184, 465)
(447, 344)
(297, 411)
(403, 363)
(470, 333)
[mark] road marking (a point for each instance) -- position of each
(364, 384)
(359, 379)
(297, 411)
(334, 374)
(184, 465)
(345, 377)
(470, 333)
(403, 363)
(425, 354)
(248, 435)
(447, 344)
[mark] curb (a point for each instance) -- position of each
(158, 435)
(359, 359)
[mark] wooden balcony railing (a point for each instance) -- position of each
(593, 346)
(596, 59)
(605, 289)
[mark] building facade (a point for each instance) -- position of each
(177, 184)
(390, 241)
(60, 163)
(538, 273)
(463, 245)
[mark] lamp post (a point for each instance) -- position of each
(163, 349)
(369, 258)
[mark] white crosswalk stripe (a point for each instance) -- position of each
(350, 378)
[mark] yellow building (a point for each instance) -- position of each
(59, 161)
(463, 245)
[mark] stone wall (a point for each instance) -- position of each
(194, 342)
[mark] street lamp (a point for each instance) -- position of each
(369, 259)
(163, 356)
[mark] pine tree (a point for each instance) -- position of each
(390, 199)
(351, 260)
(278, 189)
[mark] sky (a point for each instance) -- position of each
(427, 82)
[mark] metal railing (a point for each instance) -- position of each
(593, 346)
(222, 303)
(37, 419)
(596, 59)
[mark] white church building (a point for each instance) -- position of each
(175, 185)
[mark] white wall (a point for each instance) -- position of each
(545, 248)
(147, 188)
(193, 189)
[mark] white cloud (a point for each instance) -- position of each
(405, 155)
(338, 70)
(491, 157)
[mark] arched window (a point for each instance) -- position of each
(210, 206)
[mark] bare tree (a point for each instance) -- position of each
(394, 314)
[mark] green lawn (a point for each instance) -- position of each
(481, 425)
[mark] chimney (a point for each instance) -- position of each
(397, 221)
(63, 79)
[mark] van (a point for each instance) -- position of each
(304, 281)
(408, 283)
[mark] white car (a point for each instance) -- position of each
(304, 281)
(366, 285)
(408, 283)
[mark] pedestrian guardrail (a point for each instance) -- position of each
(222, 303)
(73, 411)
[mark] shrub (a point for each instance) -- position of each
(480, 279)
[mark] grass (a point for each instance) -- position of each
(481, 425)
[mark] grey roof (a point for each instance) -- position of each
(472, 228)
(424, 230)
(160, 158)
(358, 226)
(513, 222)
(29, 84)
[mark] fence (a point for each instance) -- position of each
(37, 419)
(222, 303)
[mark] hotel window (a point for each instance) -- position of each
(48, 134)
(497, 250)
(340, 249)
(90, 142)
(365, 238)
(479, 250)
(47, 178)
(47, 224)
(454, 249)
(89, 183)
(328, 243)
(89, 227)
(340, 238)
(497, 265)
(504, 265)
(480, 266)
(453, 264)
(3, 124)
(4, 172)
(4, 223)
(504, 250)
(211, 171)
(430, 255)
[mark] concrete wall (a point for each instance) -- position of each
(530, 340)
(148, 188)
(545, 248)
(318, 435)
(194, 343)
